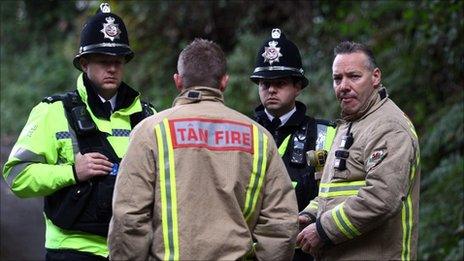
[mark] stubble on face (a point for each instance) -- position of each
(353, 81)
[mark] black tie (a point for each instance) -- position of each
(108, 107)
(275, 123)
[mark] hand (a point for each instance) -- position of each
(90, 165)
(303, 221)
(309, 240)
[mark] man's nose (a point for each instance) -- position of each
(272, 87)
(344, 85)
(112, 67)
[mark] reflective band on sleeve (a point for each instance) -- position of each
(258, 172)
(26, 158)
(283, 146)
(407, 214)
(313, 204)
(327, 190)
(167, 177)
(29, 156)
(343, 223)
(14, 172)
(406, 220)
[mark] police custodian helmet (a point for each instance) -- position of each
(104, 33)
(277, 58)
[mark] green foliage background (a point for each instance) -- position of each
(418, 46)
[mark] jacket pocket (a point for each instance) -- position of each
(341, 174)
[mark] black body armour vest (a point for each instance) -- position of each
(86, 206)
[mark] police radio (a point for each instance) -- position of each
(342, 154)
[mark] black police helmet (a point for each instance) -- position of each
(277, 58)
(104, 33)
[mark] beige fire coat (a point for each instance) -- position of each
(370, 210)
(201, 181)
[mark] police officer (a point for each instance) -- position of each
(205, 180)
(71, 145)
(280, 77)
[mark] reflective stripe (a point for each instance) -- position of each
(283, 146)
(313, 204)
(120, 132)
(327, 190)
(343, 223)
(406, 218)
(320, 136)
(62, 135)
(14, 172)
(167, 176)
(258, 172)
(325, 137)
(26, 155)
(26, 158)
(407, 215)
(75, 145)
(329, 138)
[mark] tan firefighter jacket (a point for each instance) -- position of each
(370, 210)
(201, 181)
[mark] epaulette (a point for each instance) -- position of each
(53, 98)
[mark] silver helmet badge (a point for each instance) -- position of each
(110, 30)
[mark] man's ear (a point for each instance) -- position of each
(178, 82)
(84, 63)
(223, 82)
(376, 78)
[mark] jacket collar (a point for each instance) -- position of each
(198, 94)
(126, 100)
(376, 100)
(294, 120)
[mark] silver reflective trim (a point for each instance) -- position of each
(75, 145)
(26, 155)
(278, 68)
(92, 46)
(321, 134)
(14, 172)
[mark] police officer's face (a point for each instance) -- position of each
(354, 81)
(105, 72)
(278, 95)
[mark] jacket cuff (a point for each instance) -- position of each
(76, 179)
(322, 233)
(311, 217)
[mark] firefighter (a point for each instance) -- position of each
(280, 79)
(368, 202)
(71, 145)
(200, 181)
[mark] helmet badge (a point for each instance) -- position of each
(105, 8)
(272, 53)
(110, 30)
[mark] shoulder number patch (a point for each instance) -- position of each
(221, 135)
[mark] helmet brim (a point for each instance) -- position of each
(127, 53)
(270, 75)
